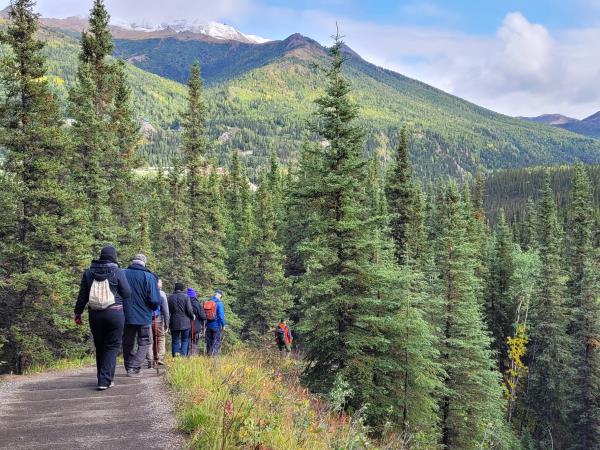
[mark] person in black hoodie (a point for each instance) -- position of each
(107, 323)
(182, 315)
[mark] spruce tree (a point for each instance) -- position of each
(261, 288)
(42, 248)
(93, 131)
(551, 347)
(349, 320)
(499, 307)
(400, 192)
(124, 160)
(206, 225)
(584, 287)
(471, 408)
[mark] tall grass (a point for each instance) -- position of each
(244, 401)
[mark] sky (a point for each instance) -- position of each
(517, 57)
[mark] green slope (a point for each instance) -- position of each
(260, 99)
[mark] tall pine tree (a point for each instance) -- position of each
(42, 247)
(551, 348)
(348, 325)
(471, 408)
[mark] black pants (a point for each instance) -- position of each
(213, 341)
(135, 357)
(107, 329)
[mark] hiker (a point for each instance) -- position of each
(160, 328)
(139, 311)
(103, 289)
(197, 332)
(215, 323)
(182, 316)
(284, 338)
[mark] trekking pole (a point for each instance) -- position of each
(192, 340)
(156, 345)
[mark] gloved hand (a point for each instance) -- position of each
(77, 319)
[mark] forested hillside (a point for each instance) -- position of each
(249, 88)
(420, 322)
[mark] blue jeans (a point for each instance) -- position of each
(181, 342)
(213, 341)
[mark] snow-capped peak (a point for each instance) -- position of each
(213, 29)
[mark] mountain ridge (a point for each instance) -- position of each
(589, 126)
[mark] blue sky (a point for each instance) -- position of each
(514, 56)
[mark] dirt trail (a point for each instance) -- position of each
(62, 410)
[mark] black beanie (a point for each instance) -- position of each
(109, 253)
(179, 287)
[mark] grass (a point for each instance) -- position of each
(62, 364)
(245, 400)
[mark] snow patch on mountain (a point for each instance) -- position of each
(215, 30)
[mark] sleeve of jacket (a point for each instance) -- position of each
(84, 294)
(153, 292)
(164, 308)
(188, 308)
(221, 314)
(123, 285)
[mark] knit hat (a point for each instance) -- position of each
(108, 253)
(140, 259)
(192, 293)
(179, 287)
(219, 291)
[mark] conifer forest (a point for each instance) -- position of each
(440, 311)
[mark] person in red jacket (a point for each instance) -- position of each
(283, 336)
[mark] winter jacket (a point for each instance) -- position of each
(181, 311)
(200, 315)
(219, 321)
(145, 295)
(101, 270)
(287, 334)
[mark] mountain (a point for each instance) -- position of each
(182, 29)
(550, 119)
(590, 126)
(261, 96)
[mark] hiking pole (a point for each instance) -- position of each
(192, 340)
(156, 343)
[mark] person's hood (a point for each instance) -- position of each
(192, 293)
(101, 270)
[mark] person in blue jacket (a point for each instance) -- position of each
(139, 310)
(214, 328)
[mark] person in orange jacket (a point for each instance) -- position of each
(284, 338)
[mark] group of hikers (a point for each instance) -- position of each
(128, 308)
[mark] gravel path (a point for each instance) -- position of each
(63, 410)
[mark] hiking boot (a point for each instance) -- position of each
(134, 374)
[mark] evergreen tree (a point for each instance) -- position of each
(499, 307)
(125, 159)
(237, 194)
(206, 224)
(584, 286)
(42, 247)
(551, 349)
(261, 287)
(349, 320)
(471, 408)
(400, 192)
(93, 130)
